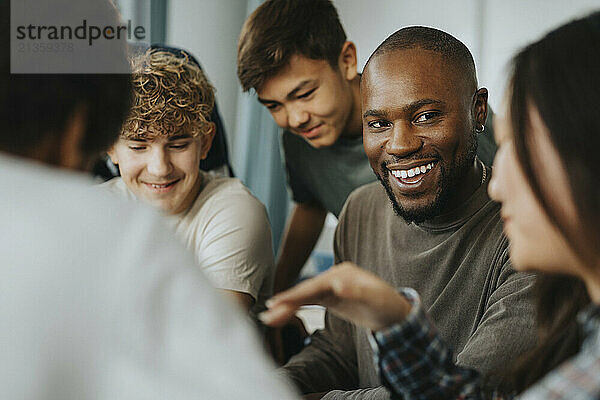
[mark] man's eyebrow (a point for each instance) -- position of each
(407, 108)
(291, 94)
(415, 105)
(137, 139)
(376, 114)
(266, 102)
(299, 87)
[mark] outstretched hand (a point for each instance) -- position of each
(347, 291)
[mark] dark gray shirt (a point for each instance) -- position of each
(325, 175)
(459, 265)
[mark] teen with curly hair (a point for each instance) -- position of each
(166, 134)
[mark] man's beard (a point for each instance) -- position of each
(450, 178)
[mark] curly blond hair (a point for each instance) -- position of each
(170, 95)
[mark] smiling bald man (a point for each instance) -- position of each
(428, 223)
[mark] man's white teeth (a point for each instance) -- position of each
(159, 186)
(409, 173)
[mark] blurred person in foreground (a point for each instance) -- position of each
(547, 180)
(98, 301)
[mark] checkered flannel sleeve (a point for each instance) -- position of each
(416, 365)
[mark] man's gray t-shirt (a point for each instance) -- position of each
(459, 265)
(327, 175)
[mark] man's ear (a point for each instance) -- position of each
(113, 154)
(206, 140)
(347, 61)
(480, 108)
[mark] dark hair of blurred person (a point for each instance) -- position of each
(37, 108)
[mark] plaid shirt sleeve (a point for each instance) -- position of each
(416, 365)
(577, 377)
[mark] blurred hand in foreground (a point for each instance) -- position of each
(347, 291)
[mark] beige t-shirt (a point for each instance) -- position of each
(228, 230)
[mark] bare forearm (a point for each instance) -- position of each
(302, 233)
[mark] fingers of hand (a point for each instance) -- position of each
(310, 291)
(278, 315)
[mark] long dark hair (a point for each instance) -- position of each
(560, 76)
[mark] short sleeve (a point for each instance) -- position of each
(235, 248)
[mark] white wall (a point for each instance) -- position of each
(368, 23)
(512, 24)
(492, 29)
(210, 29)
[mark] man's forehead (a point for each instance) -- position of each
(409, 54)
(407, 63)
(409, 75)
